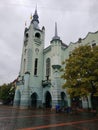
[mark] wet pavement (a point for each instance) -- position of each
(21, 119)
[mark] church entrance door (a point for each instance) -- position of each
(64, 102)
(34, 100)
(48, 100)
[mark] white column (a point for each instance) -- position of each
(26, 80)
(25, 102)
(89, 101)
(69, 100)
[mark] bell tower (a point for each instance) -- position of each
(31, 72)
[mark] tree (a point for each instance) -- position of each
(81, 71)
(7, 93)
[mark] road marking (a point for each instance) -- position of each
(27, 116)
(57, 125)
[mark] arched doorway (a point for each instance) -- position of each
(48, 100)
(64, 102)
(34, 100)
(94, 101)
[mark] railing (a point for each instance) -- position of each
(47, 82)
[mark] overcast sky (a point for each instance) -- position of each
(75, 18)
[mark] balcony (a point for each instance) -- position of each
(47, 82)
(56, 66)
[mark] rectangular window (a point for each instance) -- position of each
(48, 67)
(35, 67)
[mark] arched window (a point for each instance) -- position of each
(35, 66)
(48, 67)
(37, 35)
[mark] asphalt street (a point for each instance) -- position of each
(22, 119)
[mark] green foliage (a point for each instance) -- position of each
(7, 93)
(81, 71)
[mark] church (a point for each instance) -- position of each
(39, 83)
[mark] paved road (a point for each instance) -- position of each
(16, 119)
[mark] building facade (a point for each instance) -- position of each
(39, 82)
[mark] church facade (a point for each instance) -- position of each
(39, 82)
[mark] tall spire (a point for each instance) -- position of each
(56, 29)
(35, 16)
(56, 37)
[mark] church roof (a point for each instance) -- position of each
(35, 17)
